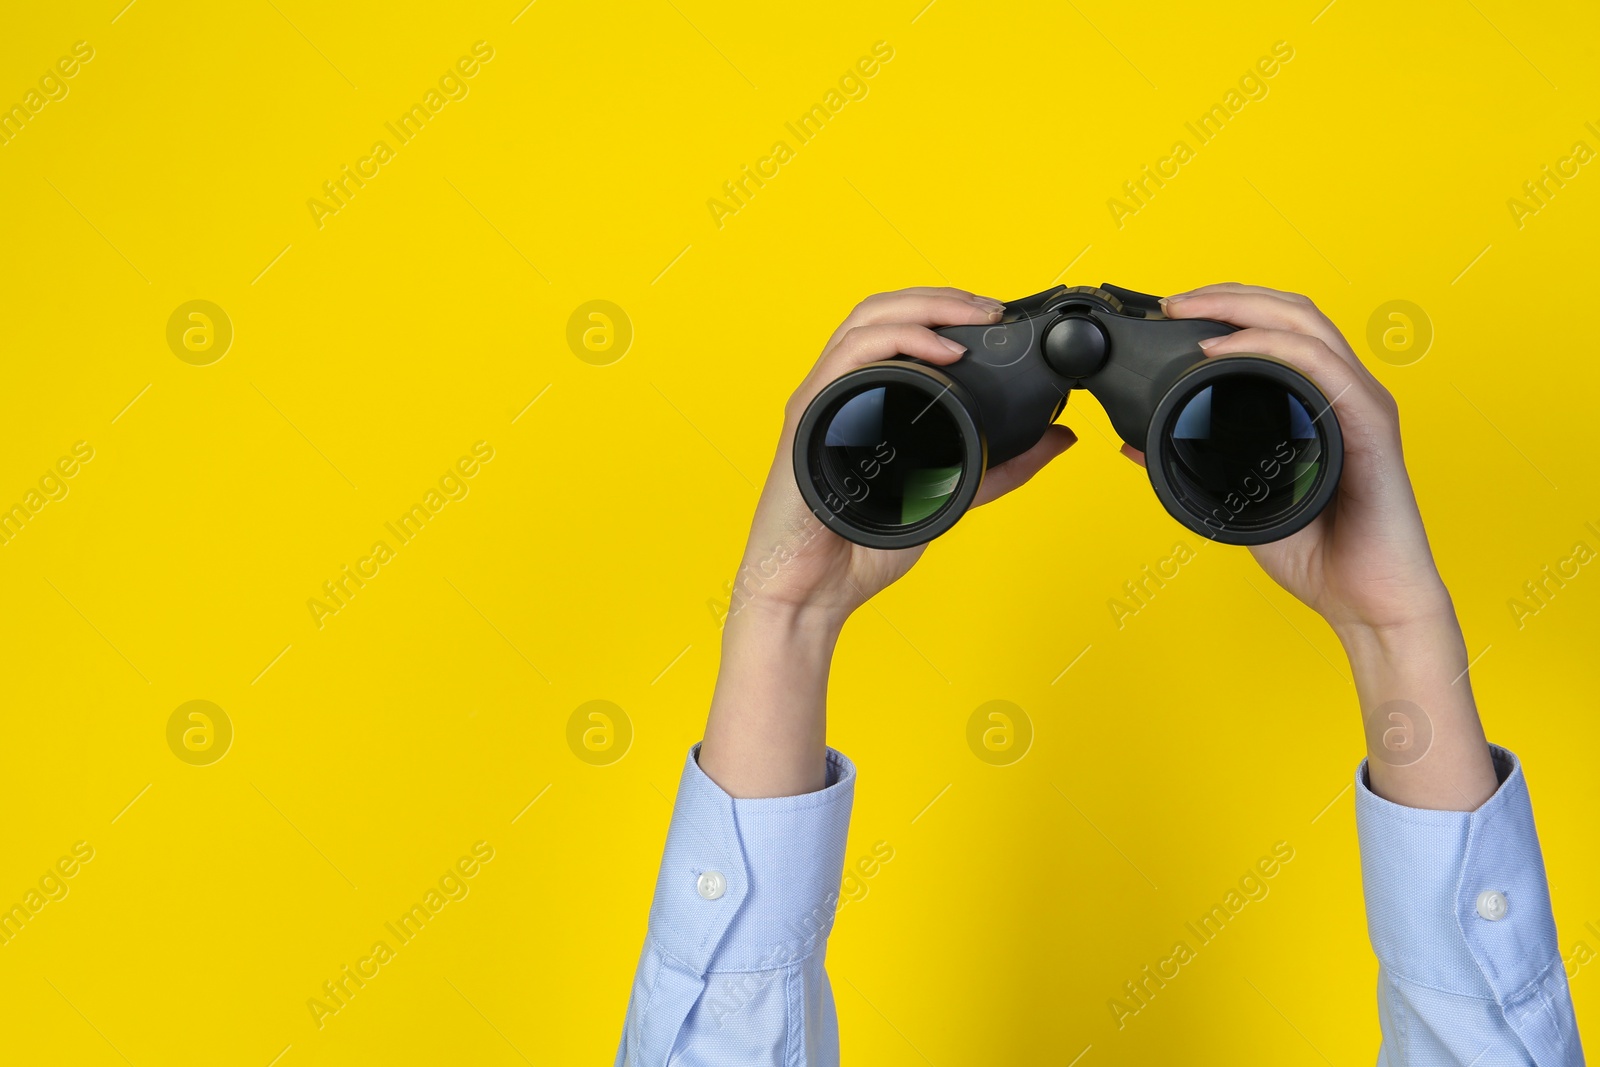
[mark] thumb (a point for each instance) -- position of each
(1013, 472)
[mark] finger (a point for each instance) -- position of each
(1000, 480)
(923, 290)
(1133, 454)
(867, 344)
(1361, 403)
(1310, 355)
(1237, 287)
(1263, 310)
(925, 306)
(861, 345)
(1244, 305)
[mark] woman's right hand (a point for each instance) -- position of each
(794, 564)
(1364, 564)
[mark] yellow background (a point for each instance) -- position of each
(432, 309)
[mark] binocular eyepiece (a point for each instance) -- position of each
(1245, 450)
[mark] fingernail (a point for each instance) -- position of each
(987, 304)
(994, 316)
(951, 346)
(1208, 342)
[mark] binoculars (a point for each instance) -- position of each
(1244, 450)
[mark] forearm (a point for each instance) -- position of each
(1425, 744)
(732, 968)
(749, 877)
(765, 735)
(1457, 904)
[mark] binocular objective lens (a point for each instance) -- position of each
(1243, 452)
(891, 456)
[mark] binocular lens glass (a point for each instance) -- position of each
(891, 456)
(1244, 452)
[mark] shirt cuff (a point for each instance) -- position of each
(777, 862)
(1431, 879)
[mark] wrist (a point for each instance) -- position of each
(1425, 744)
(766, 733)
(1398, 619)
(803, 628)
(1431, 630)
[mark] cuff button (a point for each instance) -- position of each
(712, 885)
(1492, 905)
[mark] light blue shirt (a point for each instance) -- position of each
(732, 969)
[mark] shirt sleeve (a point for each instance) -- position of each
(732, 967)
(1459, 915)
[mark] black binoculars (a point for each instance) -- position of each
(1244, 450)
